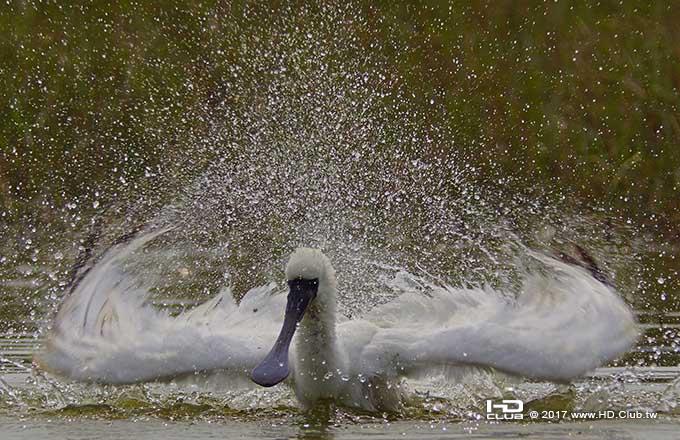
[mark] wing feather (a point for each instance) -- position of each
(106, 332)
(561, 326)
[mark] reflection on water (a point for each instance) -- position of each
(32, 404)
(58, 429)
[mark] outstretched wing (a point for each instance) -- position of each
(563, 324)
(106, 332)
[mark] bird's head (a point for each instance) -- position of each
(307, 266)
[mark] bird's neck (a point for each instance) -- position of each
(316, 345)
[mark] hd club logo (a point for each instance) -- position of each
(507, 409)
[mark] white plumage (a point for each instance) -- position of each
(561, 326)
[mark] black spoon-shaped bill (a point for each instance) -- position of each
(274, 368)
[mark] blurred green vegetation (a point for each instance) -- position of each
(578, 96)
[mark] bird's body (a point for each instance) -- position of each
(560, 327)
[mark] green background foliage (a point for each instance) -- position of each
(572, 94)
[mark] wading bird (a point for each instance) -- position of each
(561, 326)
